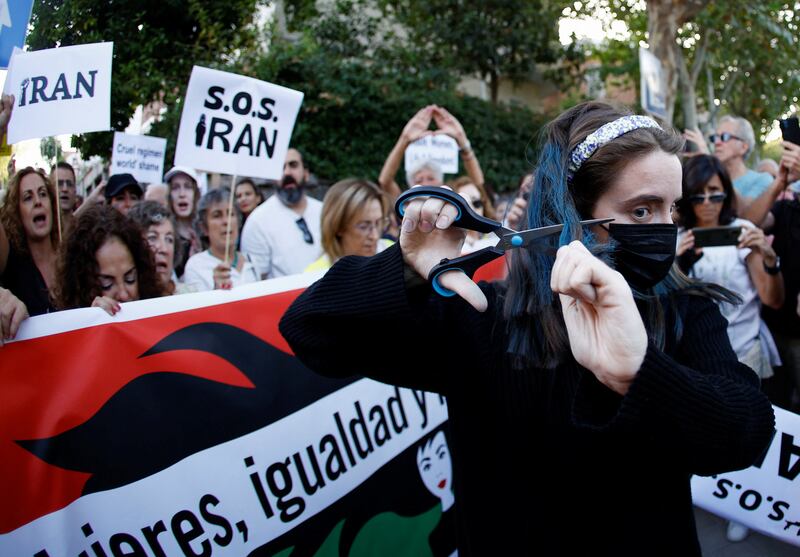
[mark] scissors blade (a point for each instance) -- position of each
(526, 237)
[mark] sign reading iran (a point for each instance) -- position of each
(235, 124)
(766, 496)
(60, 91)
(439, 148)
(139, 155)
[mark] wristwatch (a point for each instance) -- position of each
(774, 270)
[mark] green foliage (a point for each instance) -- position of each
(156, 43)
(50, 149)
(493, 38)
(751, 45)
(356, 106)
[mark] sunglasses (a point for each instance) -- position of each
(301, 224)
(700, 198)
(723, 137)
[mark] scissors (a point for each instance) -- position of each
(468, 219)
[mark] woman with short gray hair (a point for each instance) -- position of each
(219, 231)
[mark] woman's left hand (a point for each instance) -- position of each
(222, 277)
(753, 238)
(606, 332)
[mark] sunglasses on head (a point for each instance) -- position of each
(301, 224)
(700, 198)
(723, 137)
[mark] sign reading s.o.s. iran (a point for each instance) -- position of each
(60, 90)
(235, 124)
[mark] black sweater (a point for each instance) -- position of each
(546, 462)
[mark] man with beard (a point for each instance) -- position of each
(282, 235)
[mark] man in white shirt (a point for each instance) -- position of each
(282, 235)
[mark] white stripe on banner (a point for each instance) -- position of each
(263, 483)
(764, 497)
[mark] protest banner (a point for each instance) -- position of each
(60, 90)
(184, 425)
(439, 148)
(139, 155)
(235, 124)
(14, 18)
(652, 85)
(766, 496)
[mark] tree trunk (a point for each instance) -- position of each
(664, 18)
(662, 28)
(494, 85)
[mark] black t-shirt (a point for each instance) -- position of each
(23, 279)
(787, 246)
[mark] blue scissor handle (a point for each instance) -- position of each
(467, 264)
(466, 218)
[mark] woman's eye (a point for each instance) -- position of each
(130, 278)
(106, 286)
(641, 213)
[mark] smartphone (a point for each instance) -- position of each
(790, 130)
(716, 236)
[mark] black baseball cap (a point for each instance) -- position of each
(119, 182)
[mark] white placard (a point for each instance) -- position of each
(766, 496)
(139, 155)
(60, 91)
(652, 85)
(439, 148)
(235, 124)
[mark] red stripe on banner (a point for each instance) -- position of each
(45, 389)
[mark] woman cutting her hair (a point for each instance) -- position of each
(585, 390)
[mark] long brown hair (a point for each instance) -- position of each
(537, 335)
(77, 274)
(10, 214)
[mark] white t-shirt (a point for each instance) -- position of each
(274, 241)
(199, 272)
(727, 266)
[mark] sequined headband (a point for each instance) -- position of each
(603, 135)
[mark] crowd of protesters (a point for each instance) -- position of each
(127, 241)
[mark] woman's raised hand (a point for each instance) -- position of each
(606, 332)
(426, 238)
(109, 305)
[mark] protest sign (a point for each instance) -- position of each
(185, 425)
(439, 148)
(14, 18)
(766, 496)
(139, 155)
(235, 124)
(652, 85)
(59, 91)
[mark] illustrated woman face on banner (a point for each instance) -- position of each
(436, 468)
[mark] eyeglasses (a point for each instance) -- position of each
(724, 137)
(366, 227)
(700, 198)
(301, 224)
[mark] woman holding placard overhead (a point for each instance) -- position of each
(583, 392)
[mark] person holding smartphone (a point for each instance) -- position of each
(749, 268)
(579, 380)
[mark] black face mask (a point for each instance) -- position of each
(644, 252)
